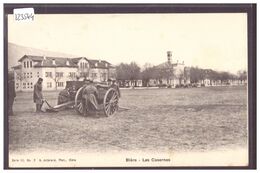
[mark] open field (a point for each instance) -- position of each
(193, 119)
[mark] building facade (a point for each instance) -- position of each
(55, 71)
(171, 73)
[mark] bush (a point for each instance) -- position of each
(177, 86)
(162, 85)
(194, 85)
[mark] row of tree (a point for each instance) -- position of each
(198, 74)
(132, 72)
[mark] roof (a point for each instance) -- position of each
(43, 61)
(164, 65)
(99, 64)
(32, 57)
(59, 62)
(17, 67)
(169, 65)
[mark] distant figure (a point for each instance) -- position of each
(89, 97)
(37, 95)
(11, 94)
(115, 86)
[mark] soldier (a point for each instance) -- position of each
(11, 94)
(89, 97)
(37, 95)
(115, 86)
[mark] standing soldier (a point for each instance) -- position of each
(11, 94)
(115, 86)
(37, 95)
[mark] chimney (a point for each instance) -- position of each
(67, 62)
(169, 57)
(53, 62)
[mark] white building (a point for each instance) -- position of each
(55, 71)
(173, 72)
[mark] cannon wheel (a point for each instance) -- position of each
(110, 102)
(78, 104)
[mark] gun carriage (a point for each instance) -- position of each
(71, 97)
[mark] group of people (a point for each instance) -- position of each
(89, 95)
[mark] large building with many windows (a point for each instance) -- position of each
(55, 71)
(171, 73)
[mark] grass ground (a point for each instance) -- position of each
(194, 119)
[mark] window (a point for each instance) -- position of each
(30, 63)
(27, 64)
(103, 76)
(94, 75)
(59, 74)
(24, 64)
(38, 74)
(24, 75)
(48, 74)
(72, 74)
(49, 85)
(24, 85)
(28, 75)
(60, 84)
(31, 74)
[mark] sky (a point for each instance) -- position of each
(216, 41)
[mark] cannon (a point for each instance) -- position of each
(71, 97)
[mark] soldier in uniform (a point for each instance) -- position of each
(89, 97)
(37, 95)
(11, 94)
(115, 86)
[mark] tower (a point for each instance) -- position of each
(169, 57)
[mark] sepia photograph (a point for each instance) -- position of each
(122, 90)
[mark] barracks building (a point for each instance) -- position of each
(55, 71)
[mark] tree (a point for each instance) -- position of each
(147, 74)
(242, 75)
(196, 74)
(224, 77)
(186, 74)
(122, 73)
(181, 76)
(128, 72)
(134, 72)
(164, 71)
